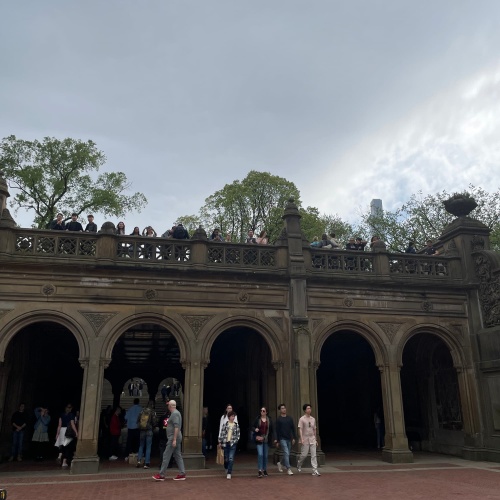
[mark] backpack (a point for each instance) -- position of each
(144, 420)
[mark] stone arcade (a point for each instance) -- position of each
(349, 332)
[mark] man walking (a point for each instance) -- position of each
(307, 438)
(146, 422)
(285, 437)
(174, 436)
(133, 432)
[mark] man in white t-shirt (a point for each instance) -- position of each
(307, 439)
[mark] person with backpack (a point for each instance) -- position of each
(146, 421)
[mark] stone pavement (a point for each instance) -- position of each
(347, 475)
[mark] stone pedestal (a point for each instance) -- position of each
(85, 465)
(397, 456)
(193, 461)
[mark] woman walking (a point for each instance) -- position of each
(40, 434)
(263, 429)
(225, 418)
(66, 434)
(228, 439)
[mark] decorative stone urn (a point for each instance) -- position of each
(460, 205)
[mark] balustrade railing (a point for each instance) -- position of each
(56, 244)
(241, 255)
(138, 248)
(419, 265)
(338, 261)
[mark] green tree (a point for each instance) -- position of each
(54, 175)
(257, 202)
(424, 218)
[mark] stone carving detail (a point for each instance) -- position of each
(97, 320)
(277, 365)
(390, 329)
(477, 243)
(316, 322)
(489, 291)
(427, 306)
(348, 302)
(458, 329)
(243, 296)
(105, 362)
(279, 321)
(48, 289)
(84, 362)
(151, 294)
(301, 330)
(197, 322)
(3, 312)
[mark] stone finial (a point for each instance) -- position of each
(460, 204)
(108, 228)
(6, 219)
(199, 234)
(378, 246)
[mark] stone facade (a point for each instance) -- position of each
(97, 287)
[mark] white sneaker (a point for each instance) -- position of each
(228, 476)
(299, 468)
(126, 459)
(113, 457)
(315, 472)
(280, 469)
(289, 472)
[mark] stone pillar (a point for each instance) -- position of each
(473, 443)
(396, 443)
(86, 460)
(193, 408)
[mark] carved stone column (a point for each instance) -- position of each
(396, 443)
(86, 460)
(193, 408)
(473, 443)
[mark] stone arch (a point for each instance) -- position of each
(456, 350)
(371, 336)
(264, 329)
(17, 324)
(173, 327)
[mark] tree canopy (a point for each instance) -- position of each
(257, 202)
(53, 176)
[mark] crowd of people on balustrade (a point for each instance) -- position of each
(178, 231)
(329, 241)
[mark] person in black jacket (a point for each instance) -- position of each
(285, 438)
(263, 430)
(180, 233)
(73, 224)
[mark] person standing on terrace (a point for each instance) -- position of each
(251, 238)
(120, 228)
(73, 224)
(58, 224)
(91, 227)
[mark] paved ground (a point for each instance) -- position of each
(353, 475)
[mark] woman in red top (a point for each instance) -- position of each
(115, 430)
(263, 431)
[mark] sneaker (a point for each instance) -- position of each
(158, 477)
(280, 469)
(113, 457)
(126, 459)
(265, 473)
(19, 458)
(260, 473)
(228, 476)
(64, 466)
(289, 472)
(138, 464)
(299, 468)
(315, 472)
(180, 477)
(146, 466)
(11, 459)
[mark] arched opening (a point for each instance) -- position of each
(143, 356)
(349, 392)
(431, 398)
(41, 369)
(241, 373)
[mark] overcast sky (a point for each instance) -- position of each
(351, 100)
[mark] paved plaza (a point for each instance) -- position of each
(348, 475)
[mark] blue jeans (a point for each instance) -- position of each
(145, 440)
(17, 444)
(286, 445)
(262, 452)
(229, 452)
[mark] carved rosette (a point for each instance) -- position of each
(97, 320)
(390, 329)
(477, 243)
(197, 322)
(243, 296)
(348, 302)
(151, 294)
(489, 290)
(427, 306)
(48, 289)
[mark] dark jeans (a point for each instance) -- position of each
(133, 436)
(17, 444)
(115, 445)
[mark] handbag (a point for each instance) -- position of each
(70, 433)
(220, 456)
(259, 439)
